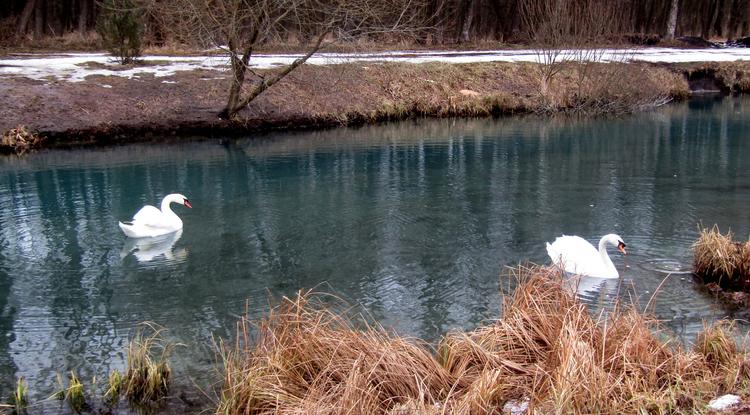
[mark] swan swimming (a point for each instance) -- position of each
(150, 221)
(576, 256)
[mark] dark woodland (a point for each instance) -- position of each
(446, 21)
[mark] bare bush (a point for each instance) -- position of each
(568, 36)
(241, 27)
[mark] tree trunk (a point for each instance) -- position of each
(712, 16)
(23, 22)
(83, 17)
(650, 17)
(723, 22)
(39, 9)
(239, 69)
(233, 106)
(468, 19)
(672, 20)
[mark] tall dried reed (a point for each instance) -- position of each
(546, 349)
(307, 359)
(148, 373)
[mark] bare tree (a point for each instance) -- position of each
(569, 35)
(23, 21)
(242, 26)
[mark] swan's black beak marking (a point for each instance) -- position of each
(621, 247)
(187, 203)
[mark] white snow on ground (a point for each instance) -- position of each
(724, 402)
(72, 66)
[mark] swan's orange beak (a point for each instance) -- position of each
(187, 203)
(621, 247)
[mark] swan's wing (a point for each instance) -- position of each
(150, 216)
(575, 255)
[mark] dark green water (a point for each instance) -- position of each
(414, 221)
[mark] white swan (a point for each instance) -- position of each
(576, 256)
(150, 221)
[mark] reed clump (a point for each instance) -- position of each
(148, 373)
(546, 350)
(114, 387)
(73, 394)
(721, 260)
(305, 358)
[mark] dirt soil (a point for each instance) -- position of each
(109, 109)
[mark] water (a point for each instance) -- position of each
(414, 221)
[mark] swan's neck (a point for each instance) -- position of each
(605, 257)
(165, 206)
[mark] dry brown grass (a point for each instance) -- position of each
(146, 380)
(721, 260)
(19, 140)
(730, 76)
(547, 348)
(307, 359)
(612, 88)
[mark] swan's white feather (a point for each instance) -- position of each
(138, 230)
(577, 256)
(151, 216)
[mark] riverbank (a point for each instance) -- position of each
(103, 109)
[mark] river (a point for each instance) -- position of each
(412, 222)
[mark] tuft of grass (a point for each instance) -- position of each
(147, 377)
(74, 394)
(114, 387)
(719, 259)
(19, 399)
(716, 344)
(310, 356)
(19, 140)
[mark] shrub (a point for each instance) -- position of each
(121, 29)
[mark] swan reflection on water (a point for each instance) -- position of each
(596, 292)
(150, 249)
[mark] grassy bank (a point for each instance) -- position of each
(187, 103)
(546, 351)
(66, 114)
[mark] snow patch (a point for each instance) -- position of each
(73, 67)
(724, 402)
(516, 407)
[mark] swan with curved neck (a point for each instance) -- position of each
(150, 221)
(576, 256)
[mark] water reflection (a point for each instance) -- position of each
(414, 221)
(149, 249)
(598, 292)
